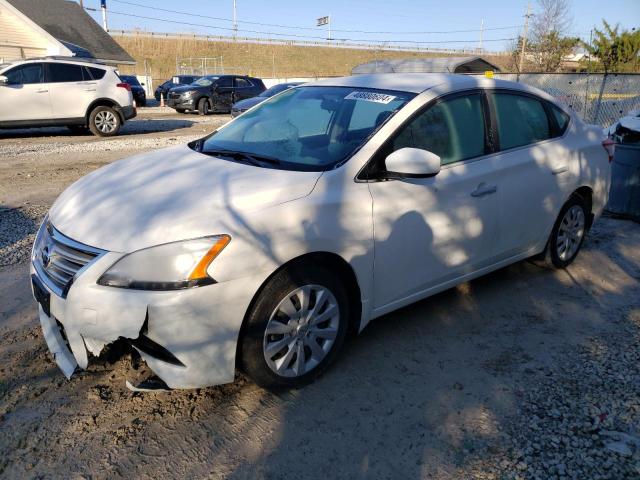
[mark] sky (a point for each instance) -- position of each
(403, 22)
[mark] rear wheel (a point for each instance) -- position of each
(295, 328)
(568, 233)
(104, 121)
(203, 106)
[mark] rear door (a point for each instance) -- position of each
(535, 169)
(72, 89)
(243, 88)
(26, 96)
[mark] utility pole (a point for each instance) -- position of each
(103, 7)
(481, 33)
(235, 21)
(524, 37)
(81, 4)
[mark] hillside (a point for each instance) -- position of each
(261, 60)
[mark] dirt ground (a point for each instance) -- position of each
(521, 374)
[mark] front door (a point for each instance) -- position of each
(26, 95)
(431, 231)
(223, 94)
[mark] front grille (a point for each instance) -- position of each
(58, 259)
(174, 96)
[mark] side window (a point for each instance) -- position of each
(453, 129)
(520, 120)
(224, 82)
(25, 74)
(242, 83)
(562, 119)
(97, 73)
(64, 72)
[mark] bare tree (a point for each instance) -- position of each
(549, 40)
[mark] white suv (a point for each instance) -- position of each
(73, 92)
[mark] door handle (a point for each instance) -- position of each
(42, 91)
(559, 170)
(89, 89)
(484, 189)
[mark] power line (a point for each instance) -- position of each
(215, 27)
(297, 27)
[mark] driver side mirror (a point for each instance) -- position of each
(411, 163)
(4, 80)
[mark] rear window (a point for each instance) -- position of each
(25, 74)
(97, 73)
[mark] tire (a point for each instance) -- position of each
(203, 106)
(180, 110)
(104, 121)
(285, 292)
(143, 102)
(78, 129)
(567, 234)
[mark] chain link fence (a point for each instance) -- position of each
(598, 98)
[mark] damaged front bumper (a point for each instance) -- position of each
(187, 337)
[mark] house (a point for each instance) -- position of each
(427, 65)
(38, 28)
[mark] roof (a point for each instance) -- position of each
(419, 82)
(426, 65)
(68, 23)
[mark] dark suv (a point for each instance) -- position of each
(137, 89)
(174, 81)
(214, 93)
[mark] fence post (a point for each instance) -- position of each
(597, 111)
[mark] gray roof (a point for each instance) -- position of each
(67, 22)
(427, 65)
(421, 82)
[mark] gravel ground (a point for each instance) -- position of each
(18, 227)
(525, 373)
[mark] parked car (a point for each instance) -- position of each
(244, 105)
(264, 243)
(214, 93)
(55, 91)
(139, 95)
(174, 81)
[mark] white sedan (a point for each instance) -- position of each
(264, 244)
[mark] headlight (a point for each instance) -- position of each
(171, 266)
(188, 94)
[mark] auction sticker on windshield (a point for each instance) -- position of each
(371, 97)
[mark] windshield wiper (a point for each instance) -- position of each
(251, 158)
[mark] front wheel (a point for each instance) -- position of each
(104, 121)
(203, 106)
(295, 328)
(568, 233)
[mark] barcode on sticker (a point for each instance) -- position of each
(370, 97)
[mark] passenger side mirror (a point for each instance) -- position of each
(4, 80)
(411, 163)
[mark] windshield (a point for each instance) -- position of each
(205, 81)
(308, 128)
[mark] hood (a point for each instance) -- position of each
(169, 195)
(248, 103)
(189, 88)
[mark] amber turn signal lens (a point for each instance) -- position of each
(200, 270)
